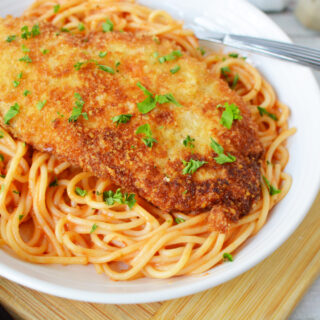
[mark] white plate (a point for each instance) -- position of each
(295, 86)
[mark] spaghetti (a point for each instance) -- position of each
(43, 219)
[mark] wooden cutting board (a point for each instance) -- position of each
(270, 290)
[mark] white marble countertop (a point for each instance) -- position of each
(309, 307)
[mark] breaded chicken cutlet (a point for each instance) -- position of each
(148, 116)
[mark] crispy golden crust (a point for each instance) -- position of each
(98, 145)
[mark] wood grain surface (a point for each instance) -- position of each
(268, 291)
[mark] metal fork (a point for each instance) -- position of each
(281, 50)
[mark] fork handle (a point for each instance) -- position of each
(282, 50)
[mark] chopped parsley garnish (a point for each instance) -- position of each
(231, 112)
(1, 134)
(81, 26)
(54, 183)
(26, 59)
(102, 67)
(165, 98)
(269, 163)
(110, 198)
(2, 175)
(122, 118)
(235, 81)
(233, 55)
(185, 192)
(192, 166)
(263, 111)
(35, 31)
(1, 157)
(44, 51)
(16, 83)
(24, 48)
(80, 192)
(94, 228)
(129, 199)
(78, 65)
(148, 140)
(41, 104)
(64, 30)
(102, 54)
(171, 56)
(272, 190)
(26, 34)
(56, 8)
(223, 158)
(26, 92)
(156, 54)
(225, 71)
(175, 69)
(151, 101)
(145, 128)
(77, 109)
(179, 220)
(227, 256)
(60, 114)
(11, 38)
(16, 191)
(219, 150)
(11, 113)
(21, 217)
(188, 142)
(106, 68)
(107, 26)
(156, 39)
(202, 51)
